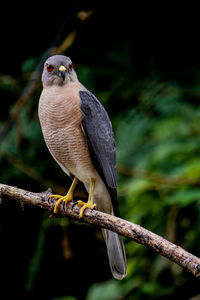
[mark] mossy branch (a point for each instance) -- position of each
(125, 228)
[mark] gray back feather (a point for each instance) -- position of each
(100, 138)
(98, 130)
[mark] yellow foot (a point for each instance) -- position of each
(67, 198)
(84, 206)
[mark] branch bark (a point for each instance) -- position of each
(125, 228)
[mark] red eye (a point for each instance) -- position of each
(71, 66)
(50, 68)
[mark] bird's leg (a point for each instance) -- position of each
(68, 197)
(90, 203)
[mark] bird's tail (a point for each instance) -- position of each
(116, 253)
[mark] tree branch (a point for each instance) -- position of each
(125, 228)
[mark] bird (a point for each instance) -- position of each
(79, 135)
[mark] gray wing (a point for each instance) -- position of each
(100, 138)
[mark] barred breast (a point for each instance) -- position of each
(60, 118)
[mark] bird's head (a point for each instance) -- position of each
(58, 70)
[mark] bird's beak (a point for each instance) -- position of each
(62, 72)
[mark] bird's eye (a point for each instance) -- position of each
(71, 67)
(50, 68)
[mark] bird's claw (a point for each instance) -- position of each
(84, 206)
(61, 199)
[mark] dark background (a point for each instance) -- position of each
(141, 59)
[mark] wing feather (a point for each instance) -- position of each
(99, 134)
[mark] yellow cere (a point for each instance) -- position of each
(62, 68)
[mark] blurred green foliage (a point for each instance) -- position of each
(156, 123)
(158, 155)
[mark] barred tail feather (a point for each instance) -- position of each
(116, 253)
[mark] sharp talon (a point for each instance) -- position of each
(84, 205)
(61, 199)
(75, 203)
(64, 199)
(50, 199)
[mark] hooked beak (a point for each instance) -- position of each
(62, 72)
